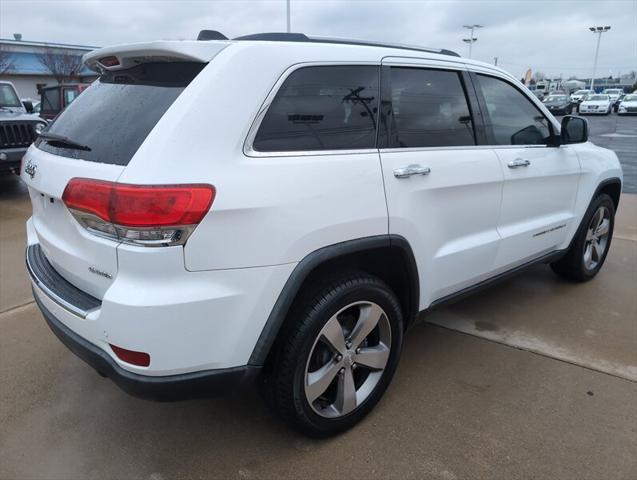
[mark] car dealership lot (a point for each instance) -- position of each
(534, 377)
(619, 133)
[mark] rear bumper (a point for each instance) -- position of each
(164, 388)
(10, 158)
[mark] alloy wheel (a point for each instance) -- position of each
(596, 238)
(347, 359)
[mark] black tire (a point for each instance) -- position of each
(573, 265)
(285, 376)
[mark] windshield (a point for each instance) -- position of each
(597, 97)
(8, 97)
(555, 98)
(630, 98)
(582, 92)
(612, 91)
(113, 116)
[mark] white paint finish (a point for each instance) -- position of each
(197, 307)
(597, 165)
(535, 199)
(67, 245)
(449, 217)
(186, 321)
(293, 205)
(134, 53)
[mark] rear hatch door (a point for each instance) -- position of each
(95, 138)
(84, 259)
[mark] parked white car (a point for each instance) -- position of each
(613, 93)
(628, 105)
(580, 95)
(599, 104)
(280, 208)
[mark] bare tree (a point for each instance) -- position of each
(63, 66)
(6, 63)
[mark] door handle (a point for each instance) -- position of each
(406, 172)
(519, 162)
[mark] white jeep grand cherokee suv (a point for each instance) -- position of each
(279, 207)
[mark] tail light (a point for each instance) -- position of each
(149, 215)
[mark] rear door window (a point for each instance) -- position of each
(430, 109)
(322, 108)
(113, 117)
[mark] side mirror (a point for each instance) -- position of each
(574, 130)
(28, 105)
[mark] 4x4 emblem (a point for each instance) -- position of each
(30, 169)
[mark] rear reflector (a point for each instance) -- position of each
(141, 359)
(143, 214)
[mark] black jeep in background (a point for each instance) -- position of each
(18, 128)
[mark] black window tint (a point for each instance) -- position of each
(322, 108)
(429, 108)
(513, 119)
(116, 113)
(51, 100)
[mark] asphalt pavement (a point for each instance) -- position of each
(619, 133)
(532, 378)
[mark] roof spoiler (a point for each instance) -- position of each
(126, 56)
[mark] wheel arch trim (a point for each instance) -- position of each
(313, 260)
(605, 183)
(600, 186)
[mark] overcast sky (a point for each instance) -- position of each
(549, 36)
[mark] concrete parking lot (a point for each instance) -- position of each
(532, 378)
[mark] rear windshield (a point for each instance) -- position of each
(113, 117)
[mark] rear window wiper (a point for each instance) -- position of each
(66, 142)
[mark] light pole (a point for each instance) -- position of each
(287, 5)
(598, 31)
(471, 38)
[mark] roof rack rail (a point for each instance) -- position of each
(276, 37)
(301, 37)
(211, 35)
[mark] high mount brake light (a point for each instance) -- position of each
(151, 215)
(109, 61)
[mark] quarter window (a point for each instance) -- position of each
(430, 109)
(513, 119)
(322, 108)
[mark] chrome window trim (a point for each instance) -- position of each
(249, 151)
(459, 147)
(422, 63)
(248, 144)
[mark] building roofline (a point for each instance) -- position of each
(29, 43)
